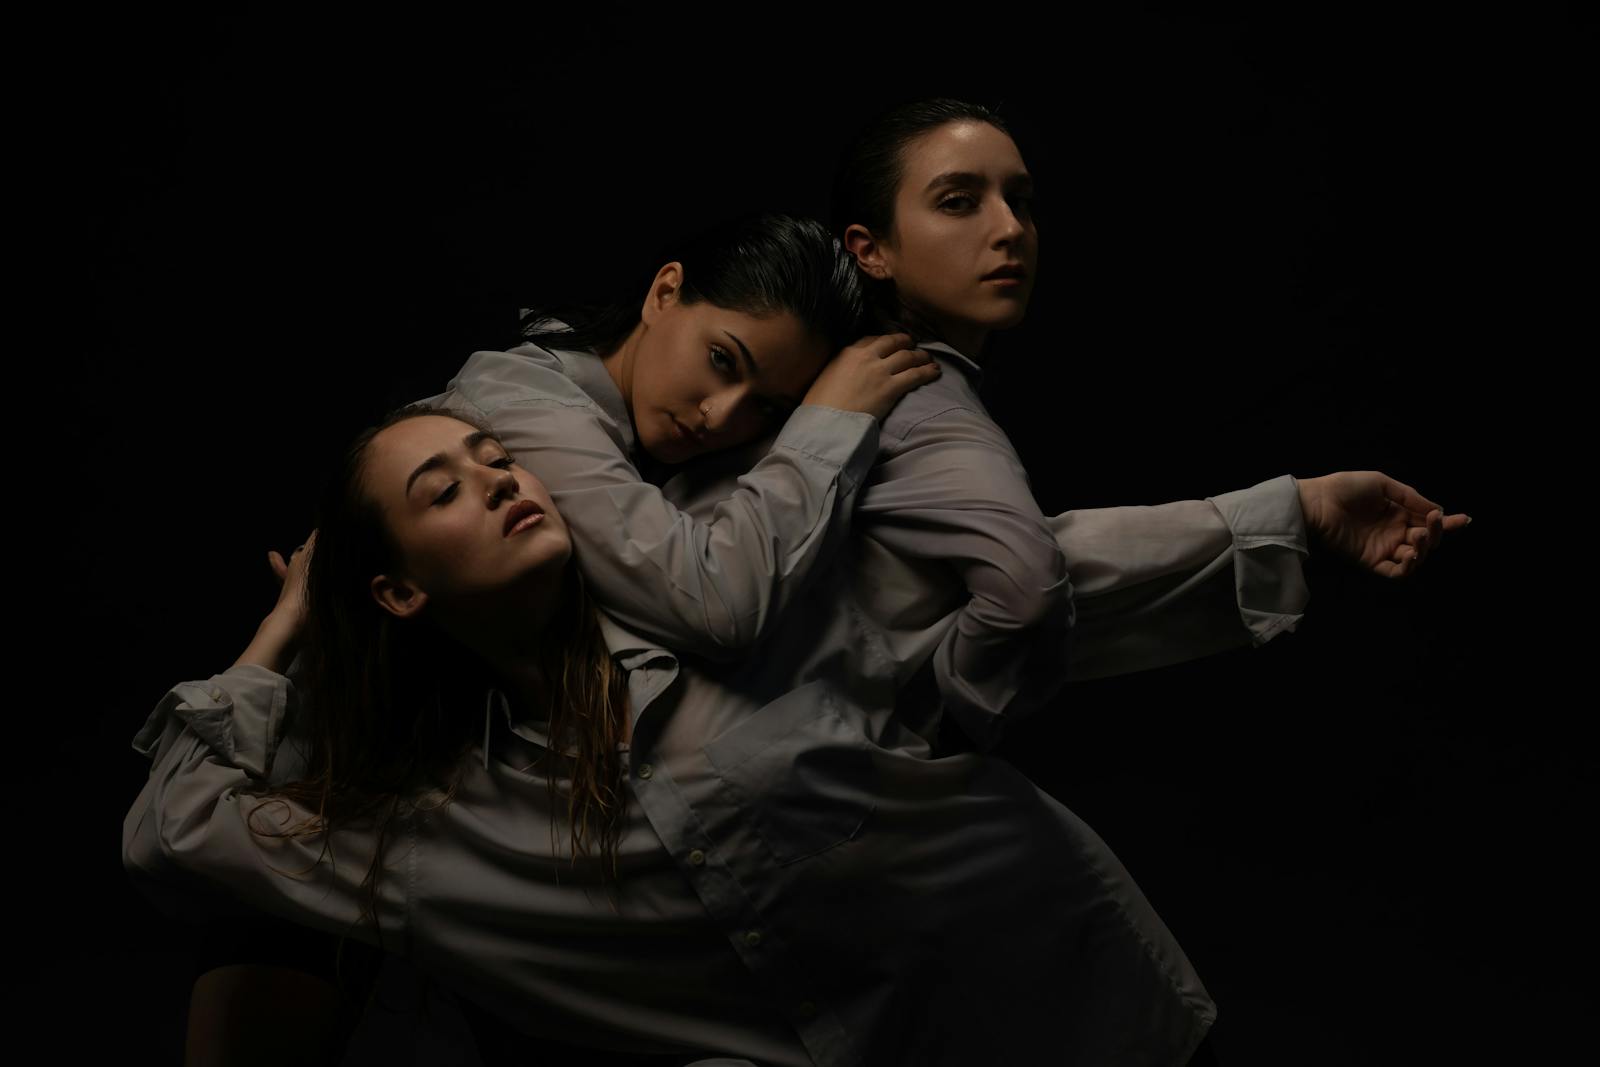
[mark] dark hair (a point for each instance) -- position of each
(758, 264)
(389, 702)
(872, 165)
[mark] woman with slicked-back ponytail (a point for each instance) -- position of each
(819, 860)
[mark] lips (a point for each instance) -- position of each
(519, 511)
(1010, 270)
(687, 434)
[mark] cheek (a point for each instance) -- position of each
(657, 386)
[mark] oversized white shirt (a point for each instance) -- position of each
(803, 880)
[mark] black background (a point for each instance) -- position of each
(1269, 244)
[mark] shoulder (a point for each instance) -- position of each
(528, 373)
(934, 411)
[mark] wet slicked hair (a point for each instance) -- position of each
(870, 169)
(760, 265)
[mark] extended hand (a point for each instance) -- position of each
(290, 610)
(1384, 525)
(278, 636)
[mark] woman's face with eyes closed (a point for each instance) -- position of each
(703, 378)
(471, 526)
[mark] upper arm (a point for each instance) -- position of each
(958, 493)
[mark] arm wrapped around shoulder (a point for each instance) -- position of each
(708, 584)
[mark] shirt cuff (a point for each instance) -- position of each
(847, 440)
(1269, 540)
(239, 714)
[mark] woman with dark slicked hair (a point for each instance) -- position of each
(900, 899)
(1009, 927)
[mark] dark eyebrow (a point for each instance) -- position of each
(1022, 180)
(787, 401)
(745, 352)
(955, 177)
(471, 441)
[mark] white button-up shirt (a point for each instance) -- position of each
(806, 878)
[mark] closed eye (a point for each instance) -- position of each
(501, 463)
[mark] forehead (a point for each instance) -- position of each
(396, 450)
(971, 147)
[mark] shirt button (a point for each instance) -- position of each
(216, 694)
(697, 858)
(752, 938)
(645, 771)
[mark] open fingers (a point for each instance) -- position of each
(1402, 565)
(1420, 540)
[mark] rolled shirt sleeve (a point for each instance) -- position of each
(1172, 582)
(205, 820)
(709, 586)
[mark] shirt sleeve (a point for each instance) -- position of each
(712, 587)
(205, 820)
(1173, 582)
(957, 495)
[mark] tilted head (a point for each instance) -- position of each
(934, 203)
(731, 331)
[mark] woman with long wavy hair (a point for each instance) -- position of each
(496, 849)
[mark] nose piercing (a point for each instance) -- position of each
(705, 409)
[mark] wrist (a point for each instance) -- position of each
(274, 645)
(1311, 507)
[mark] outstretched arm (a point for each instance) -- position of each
(1173, 582)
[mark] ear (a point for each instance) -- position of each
(664, 292)
(397, 596)
(867, 249)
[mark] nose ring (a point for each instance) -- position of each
(705, 409)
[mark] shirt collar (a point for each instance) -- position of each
(967, 365)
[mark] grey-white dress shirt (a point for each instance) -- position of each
(805, 878)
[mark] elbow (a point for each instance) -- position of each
(162, 844)
(1041, 597)
(146, 857)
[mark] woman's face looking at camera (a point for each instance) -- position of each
(962, 251)
(468, 522)
(700, 378)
